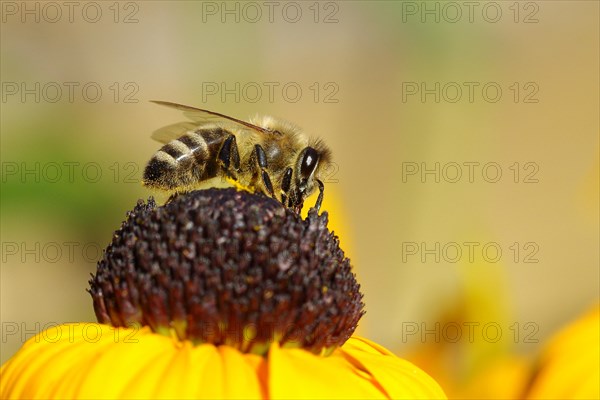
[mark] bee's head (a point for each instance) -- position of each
(311, 164)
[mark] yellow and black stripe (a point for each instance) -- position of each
(185, 161)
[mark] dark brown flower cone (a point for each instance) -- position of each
(228, 267)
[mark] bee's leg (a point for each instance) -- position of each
(286, 182)
(172, 197)
(176, 194)
(261, 158)
(229, 157)
(320, 198)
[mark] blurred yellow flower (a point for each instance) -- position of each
(569, 368)
(83, 361)
(503, 378)
(570, 365)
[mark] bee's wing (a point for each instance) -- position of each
(173, 131)
(199, 117)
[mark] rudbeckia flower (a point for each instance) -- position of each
(569, 367)
(217, 294)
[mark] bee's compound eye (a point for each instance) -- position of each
(309, 162)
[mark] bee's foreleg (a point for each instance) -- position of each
(229, 157)
(172, 197)
(261, 159)
(286, 183)
(320, 198)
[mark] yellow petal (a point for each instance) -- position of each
(130, 363)
(217, 373)
(168, 376)
(240, 380)
(38, 357)
(201, 370)
(142, 368)
(299, 374)
(260, 366)
(128, 352)
(398, 377)
(362, 344)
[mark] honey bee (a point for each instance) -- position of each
(264, 155)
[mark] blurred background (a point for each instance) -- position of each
(465, 140)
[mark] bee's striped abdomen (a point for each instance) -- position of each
(186, 160)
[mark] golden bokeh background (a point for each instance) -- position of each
(465, 139)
